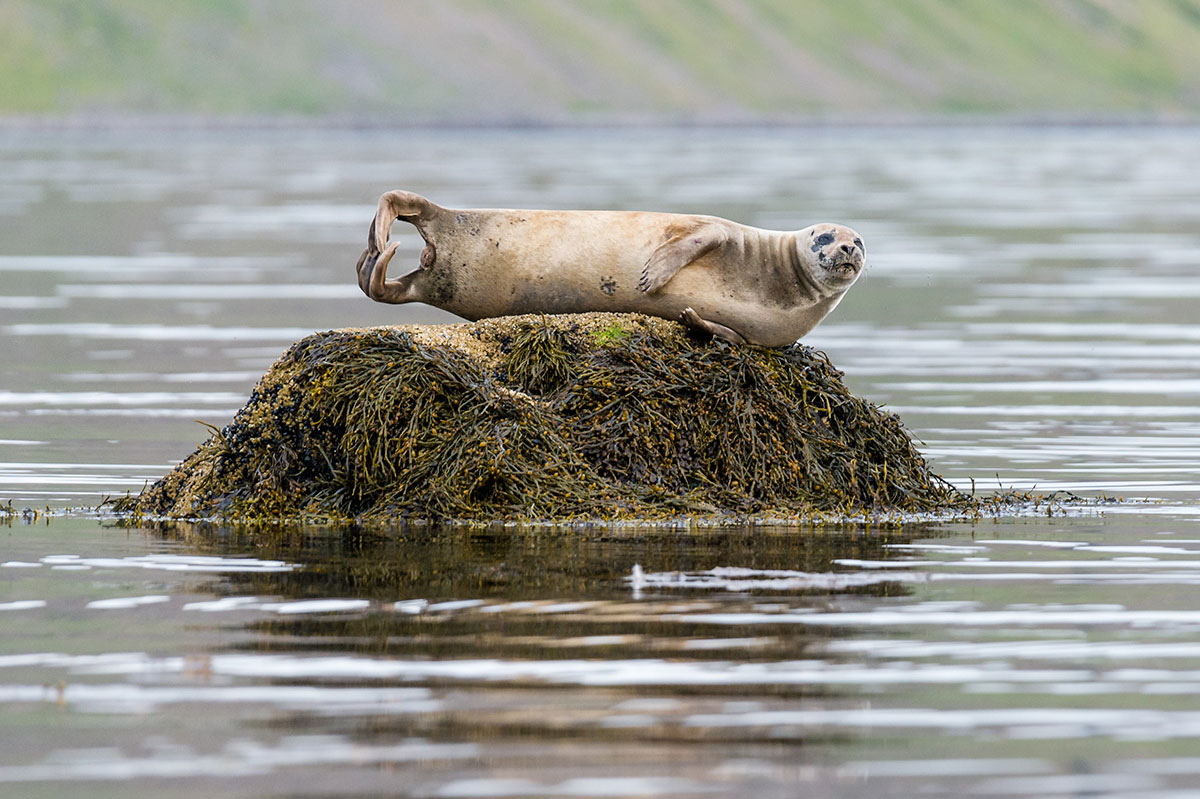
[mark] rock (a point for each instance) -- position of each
(571, 417)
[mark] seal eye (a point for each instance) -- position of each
(824, 239)
(860, 245)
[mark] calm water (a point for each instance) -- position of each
(1030, 309)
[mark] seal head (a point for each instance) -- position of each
(833, 255)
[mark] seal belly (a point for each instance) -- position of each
(511, 262)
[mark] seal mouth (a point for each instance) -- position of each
(840, 264)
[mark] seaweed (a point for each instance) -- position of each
(588, 416)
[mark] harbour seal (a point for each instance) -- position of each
(736, 282)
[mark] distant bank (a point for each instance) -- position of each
(537, 62)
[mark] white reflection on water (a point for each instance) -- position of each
(1022, 723)
(95, 399)
(286, 608)
(1165, 387)
(158, 332)
(613, 672)
(1046, 723)
(610, 672)
(309, 222)
(141, 699)
(1125, 571)
(580, 786)
(23, 604)
(1063, 650)
(240, 757)
(211, 411)
(97, 475)
(135, 265)
(916, 615)
(1113, 286)
(168, 562)
(127, 602)
(226, 292)
(1065, 410)
(26, 303)
(741, 579)
(179, 377)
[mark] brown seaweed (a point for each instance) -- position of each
(589, 416)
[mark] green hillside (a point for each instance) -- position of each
(566, 60)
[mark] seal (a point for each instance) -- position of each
(732, 281)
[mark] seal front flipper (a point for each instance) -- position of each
(692, 320)
(679, 251)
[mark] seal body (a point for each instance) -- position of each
(730, 280)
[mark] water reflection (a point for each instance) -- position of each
(506, 561)
(523, 661)
(429, 649)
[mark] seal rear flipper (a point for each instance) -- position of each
(393, 205)
(373, 279)
(679, 251)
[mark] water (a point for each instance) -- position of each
(1029, 310)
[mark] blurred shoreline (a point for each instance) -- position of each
(200, 122)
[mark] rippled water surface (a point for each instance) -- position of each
(1031, 310)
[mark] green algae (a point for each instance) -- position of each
(571, 417)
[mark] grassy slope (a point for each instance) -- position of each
(566, 59)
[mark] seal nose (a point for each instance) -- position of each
(849, 248)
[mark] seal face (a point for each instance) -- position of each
(740, 283)
(840, 253)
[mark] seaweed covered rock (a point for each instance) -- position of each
(549, 417)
